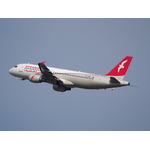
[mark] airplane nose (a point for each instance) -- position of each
(10, 71)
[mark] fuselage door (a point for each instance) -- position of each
(21, 67)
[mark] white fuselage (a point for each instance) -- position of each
(70, 78)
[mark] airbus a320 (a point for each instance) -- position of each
(64, 80)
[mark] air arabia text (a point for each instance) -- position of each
(32, 69)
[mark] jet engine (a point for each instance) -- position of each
(35, 78)
(60, 88)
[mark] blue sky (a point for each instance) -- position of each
(89, 45)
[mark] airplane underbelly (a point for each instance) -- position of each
(87, 84)
(81, 82)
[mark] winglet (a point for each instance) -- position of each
(43, 62)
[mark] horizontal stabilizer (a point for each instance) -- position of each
(114, 80)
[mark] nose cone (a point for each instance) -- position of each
(11, 71)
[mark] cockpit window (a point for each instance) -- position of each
(15, 66)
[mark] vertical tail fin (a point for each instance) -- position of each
(120, 70)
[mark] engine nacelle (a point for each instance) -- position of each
(35, 78)
(60, 88)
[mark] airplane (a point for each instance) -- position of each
(64, 80)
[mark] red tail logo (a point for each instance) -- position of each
(121, 68)
(122, 65)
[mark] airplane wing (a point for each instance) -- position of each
(48, 75)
